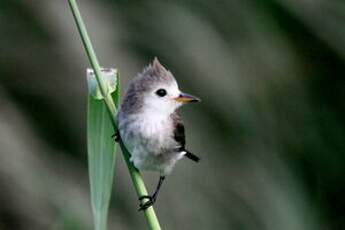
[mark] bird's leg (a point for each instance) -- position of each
(116, 136)
(151, 199)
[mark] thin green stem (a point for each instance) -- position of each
(137, 180)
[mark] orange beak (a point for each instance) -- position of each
(186, 98)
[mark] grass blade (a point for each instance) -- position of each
(137, 180)
(101, 148)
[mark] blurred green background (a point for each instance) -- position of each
(270, 129)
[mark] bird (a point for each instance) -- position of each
(150, 126)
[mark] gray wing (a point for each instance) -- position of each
(180, 138)
(179, 133)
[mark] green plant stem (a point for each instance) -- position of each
(137, 180)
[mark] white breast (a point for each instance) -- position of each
(150, 140)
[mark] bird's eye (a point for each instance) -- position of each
(161, 92)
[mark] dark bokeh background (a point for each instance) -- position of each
(270, 130)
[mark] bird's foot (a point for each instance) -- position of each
(147, 204)
(116, 136)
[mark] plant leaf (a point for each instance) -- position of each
(101, 147)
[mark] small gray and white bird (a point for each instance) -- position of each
(149, 125)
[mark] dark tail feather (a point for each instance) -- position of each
(192, 156)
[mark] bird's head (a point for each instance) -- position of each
(156, 90)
